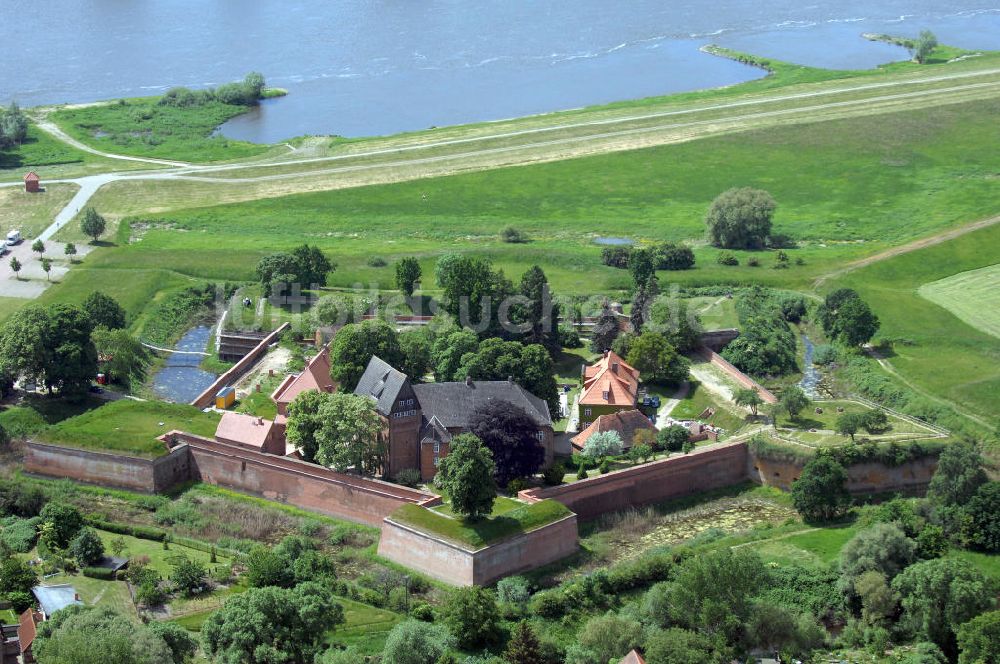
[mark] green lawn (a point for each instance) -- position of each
(36, 413)
(97, 592)
(159, 558)
(973, 296)
(698, 399)
(144, 128)
(8, 305)
(130, 426)
(260, 403)
(501, 505)
(940, 354)
(366, 627)
(32, 213)
(477, 534)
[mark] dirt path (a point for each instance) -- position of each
(916, 245)
(668, 406)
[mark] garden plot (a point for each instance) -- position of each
(814, 429)
(973, 296)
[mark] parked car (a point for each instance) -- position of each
(3, 247)
(14, 237)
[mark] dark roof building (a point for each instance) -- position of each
(421, 419)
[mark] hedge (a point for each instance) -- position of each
(102, 573)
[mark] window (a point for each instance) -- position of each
(605, 395)
(540, 435)
(437, 460)
(404, 413)
(586, 412)
(437, 447)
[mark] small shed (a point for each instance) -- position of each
(225, 398)
(32, 183)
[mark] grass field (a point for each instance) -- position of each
(973, 296)
(8, 305)
(942, 356)
(32, 213)
(130, 426)
(477, 534)
(144, 128)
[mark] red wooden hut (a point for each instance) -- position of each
(32, 183)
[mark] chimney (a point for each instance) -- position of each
(260, 421)
(468, 381)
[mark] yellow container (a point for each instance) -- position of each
(225, 398)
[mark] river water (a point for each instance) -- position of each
(181, 379)
(367, 67)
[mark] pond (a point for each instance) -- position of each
(614, 241)
(182, 379)
(810, 374)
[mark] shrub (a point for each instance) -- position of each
(824, 355)
(671, 256)
(569, 337)
(513, 590)
(616, 257)
(87, 547)
(517, 485)
(19, 534)
(472, 614)
(727, 258)
(820, 493)
(513, 235)
(672, 438)
(102, 573)
(581, 473)
(753, 261)
(408, 477)
(553, 475)
(376, 261)
(605, 467)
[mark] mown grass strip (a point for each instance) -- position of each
(477, 534)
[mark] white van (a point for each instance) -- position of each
(14, 237)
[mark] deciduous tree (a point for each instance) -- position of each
(603, 444)
(93, 224)
(98, 635)
(355, 345)
(794, 400)
(511, 435)
(466, 473)
(472, 615)
(820, 493)
(657, 360)
(749, 398)
(104, 311)
(416, 642)
(350, 434)
(87, 547)
(407, 274)
(849, 423)
(540, 313)
(740, 219)
(124, 358)
(979, 639)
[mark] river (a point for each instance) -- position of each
(181, 379)
(368, 67)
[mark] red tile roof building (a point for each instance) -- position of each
(633, 658)
(609, 386)
(252, 432)
(316, 376)
(27, 631)
(32, 183)
(626, 423)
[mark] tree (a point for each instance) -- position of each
(605, 331)
(304, 421)
(878, 601)
(658, 362)
(539, 313)
(673, 437)
(712, 593)
(188, 576)
(180, 642)
(46, 267)
(749, 398)
(979, 639)
(847, 318)
(472, 292)
(277, 268)
(514, 591)
(65, 522)
(820, 493)
(13, 126)
(642, 265)
(939, 595)
(448, 350)
(16, 576)
(38, 247)
(923, 46)
(99, 635)
(794, 400)
(958, 476)
(875, 421)
(407, 274)
(104, 311)
(603, 444)
(70, 251)
(681, 646)
(530, 366)
(356, 344)
(472, 614)
(349, 434)
(15, 266)
(267, 567)
(740, 219)
(466, 473)
(306, 266)
(882, 548)
(524, 646)
(511, 435)
(415, 347)
(268, 625)
(92, 224)
(50, 345)
(254, 84)
(980, 525)
(416, 642)
(87, 547)
(670, 256)
(605, 638)
(849, 423)
(124, 358)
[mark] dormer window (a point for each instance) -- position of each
(605, 395)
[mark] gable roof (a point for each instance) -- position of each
(52, 598)
(633, 658)
(434, 430)
(31, 176)
(382, 383)
(610, 381)
(625, 422)
(27, 628)
(315, 376)
(244, 429)
(454, 403)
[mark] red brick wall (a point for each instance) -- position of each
(708, 467)
(298, 483)
(910, 478)
(458, 566)
(115, 470)
(207, 398)
(737, 375)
